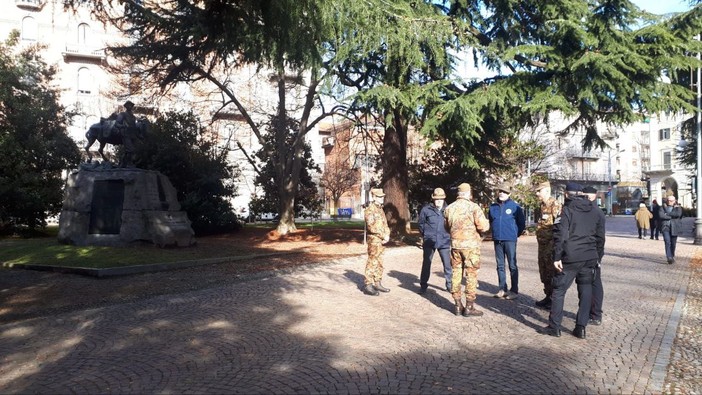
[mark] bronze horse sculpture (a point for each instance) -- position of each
(108, 132)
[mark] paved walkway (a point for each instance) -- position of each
(313, 331)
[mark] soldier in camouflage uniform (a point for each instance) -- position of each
(378, 234)
(549, 210)
(464, 220)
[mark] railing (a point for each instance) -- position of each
(84, 52)
(579, 176)
(578, 153)
(30, 4)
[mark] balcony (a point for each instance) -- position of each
(33, 5)
(328, 142)
(76, 51)
(579, 154)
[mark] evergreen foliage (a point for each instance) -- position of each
(180, 148)
(34, 146)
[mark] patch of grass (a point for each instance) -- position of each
(47, 251)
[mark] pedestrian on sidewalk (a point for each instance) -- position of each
(378, 234)
(656, 220)
(578, 242)
(507, 222)
(671, 225)
(432, 227)
(643, 219)
(597, 288)
(549, 210)
(465, 220)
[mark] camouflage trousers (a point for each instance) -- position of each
(374, 264)
(546, 269)
(465, 263)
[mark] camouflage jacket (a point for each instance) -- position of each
(464, 219)
(549, 211)
(376, 223)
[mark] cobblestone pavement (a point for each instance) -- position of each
(313, 331)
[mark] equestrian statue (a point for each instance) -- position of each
(118, 129)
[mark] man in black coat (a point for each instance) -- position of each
(579, 238)
(670, 213)
(656, 220)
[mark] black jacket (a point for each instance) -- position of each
(579, 233)
(670, 218)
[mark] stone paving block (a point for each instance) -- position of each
(313, 331)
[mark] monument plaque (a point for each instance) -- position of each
(106, 207)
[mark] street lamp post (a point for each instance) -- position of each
(609, 176)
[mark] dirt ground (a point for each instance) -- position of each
(26, 293)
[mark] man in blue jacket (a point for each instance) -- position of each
(507, 222)
(436, 237)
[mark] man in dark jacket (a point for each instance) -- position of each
(670, 213)
(597, 288)
(436, 237)
(579, 238)
(656, 220)
(507, 222)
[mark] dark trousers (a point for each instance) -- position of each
(655, 229)
(644, 232)
(597, 295)
(445, 254)
(507, 249)
(582, 272)
(670, 244)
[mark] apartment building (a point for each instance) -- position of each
(639, 164)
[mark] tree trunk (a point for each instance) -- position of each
(289, 165)
(395, 176)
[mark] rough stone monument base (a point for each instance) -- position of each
(116, 207)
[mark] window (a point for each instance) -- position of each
(634, 163)
(85, 81)
(664, 134)
(633, 148)
(667, 160)
(29, 29)
(83, 34)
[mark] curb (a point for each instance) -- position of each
(137, 269)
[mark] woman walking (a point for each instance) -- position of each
(643, 219)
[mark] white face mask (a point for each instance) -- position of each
(439, 203)
(502, 196)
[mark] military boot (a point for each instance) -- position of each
(380, 287)
(370, 290)
(458, 309)
(471, 311)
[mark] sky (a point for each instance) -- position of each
(662, 6)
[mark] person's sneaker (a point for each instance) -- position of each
(594, 321)
(422, 291)
(511, 295)
(499, 294)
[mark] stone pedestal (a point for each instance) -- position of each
(115, 207)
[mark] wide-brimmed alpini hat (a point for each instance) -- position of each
(378, 192)
(438, 194)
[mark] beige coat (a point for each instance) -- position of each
(643, 218)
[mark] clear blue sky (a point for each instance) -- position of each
(662, 6)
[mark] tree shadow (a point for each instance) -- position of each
(301, 333)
